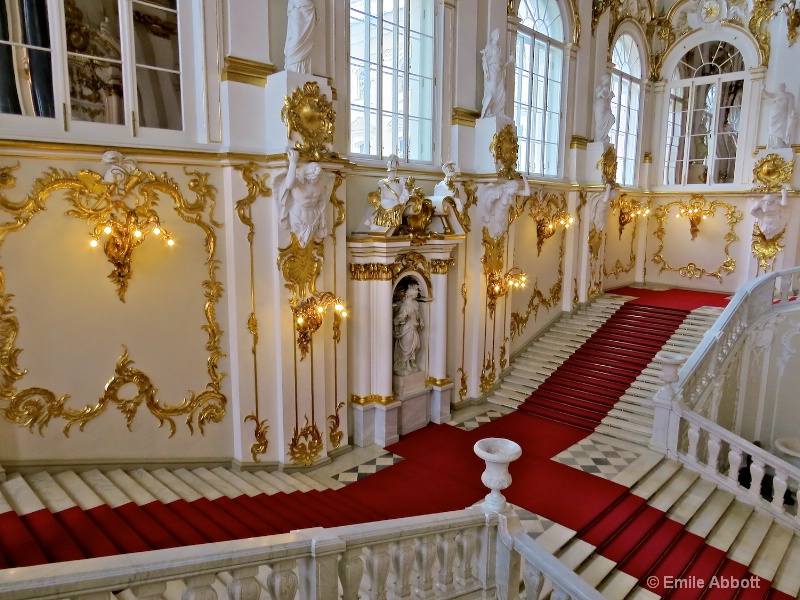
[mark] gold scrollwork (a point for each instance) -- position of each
(338, 205)
(36, 407)
(335, 434)
(371, 271)
(262, 443)
(310, 114)
(595, 243)
(765, 250)
(628, 209)
(792, 20)
(691, 270)
(462, 390)
(308, 316)
(305, 452)
(505, 149)
(471, 189)
(438, 381)
(416, 219)
(416, 262)
(385, 217)
(488, 374)
(301, 266)
(771, 173)
(759, 26)
(493, 252)
(371, 399)
(503, 350)
(440, 266)
(608, 166)
(549, 211)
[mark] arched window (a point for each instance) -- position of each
(626, 83)
(703, 114)
(391, 78)
(538, 86)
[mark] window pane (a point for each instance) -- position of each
(156, 37)
(92, 28)
(96, 90)
(159, 95)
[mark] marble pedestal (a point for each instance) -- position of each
(485, 130)
(376, 424)
(279, 85)
(594, 153)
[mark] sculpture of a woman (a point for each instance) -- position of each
(781, 118)
(494, 77)
(301, 18)
(603, 116)
(407, 325)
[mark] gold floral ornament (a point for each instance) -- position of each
(417, 216)
(309, 113)
(308, 316)
(765, 250)
(771, 173)
(89, 195)
(697, 211)
(760, 17)
(301, 266)
(497, 283)
(549, 213)
(262, 443)
(629, 209)
(608, 166)
(505, 149)
(335, 434)
(305, 452)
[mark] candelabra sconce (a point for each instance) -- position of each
(125, 232)
(546, 226)
(308, 316)
(628, 211)
(498, 285)
(792, 20)
(696, 211)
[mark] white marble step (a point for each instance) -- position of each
(294, 485)
(78, 490)
(312, 483)
(787, 578)
(258, 483)
(52, 495)
(181, 488)
(628, 423)
(597, 568)
(744, 549)
(105, 488)
(326, 481)
(555, 537)
(617, 585)
(656, 479)
(685, 508)
(215, 481)
(233, 479)
(130, 487)
(710, 513)
(155, 487)
(502, 401)
(572, 556)
(638, 469)
(730, 524)
(199, 485)
(623, 434)
(770, 555)
(644, 413)
(20, 496)
(511, 394)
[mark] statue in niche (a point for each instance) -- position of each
(407, 326)
(603, 116)
(494, 77)
(301, 19)
(781, 117)
(769, 212)
(390, 199)
(302, 197)
(496, 199)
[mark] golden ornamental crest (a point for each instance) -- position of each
(310, 114)
(608, 166)
(505, 149)
(771, 172)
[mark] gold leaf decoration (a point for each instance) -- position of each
(310, 114)
(505, 149)
(759, 26)
(335, 434)
(301, 267)
(771, 172)
(262, 444)
(765, 250)
(307, 451)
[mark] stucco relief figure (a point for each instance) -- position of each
(301, 19)
(603, 116)
(119, 169)
(494, 77)
(495, 200)
(600, 213)
(303, 194)
(781, 117)
(407, 326)
(770, 214)
(393, 194)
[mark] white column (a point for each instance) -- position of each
(382, 341)
(441, 385)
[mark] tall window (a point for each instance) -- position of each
(626, 83)
(391, 78)
(538, 86)
(703, 114)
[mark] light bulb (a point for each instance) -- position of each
(107, 230)
(344, 313)
(137, 233)
(572, 220)
(299, 320)
(704, 216)
(157, 231)
(93, 243)
(338, 308)
(320, 310)
(497, 288)
(170, 242)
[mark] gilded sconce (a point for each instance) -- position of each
(696, 211)
(792, 20)
(308, 316)
(498, 285)
(629, 209)
(548, 215)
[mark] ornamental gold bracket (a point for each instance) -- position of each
(696, 211)
(772, 172)
(498, 285)
(505, 149)
(629, 209)
(308, 316)
(262, 443)
(765, 250)
(607, 165)
(549, 212)
(310, 114)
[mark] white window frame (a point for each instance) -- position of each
(618, 76)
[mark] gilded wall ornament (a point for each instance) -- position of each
(417, 218)
(629, 209)
(261, 444)
(338, 205)
(308, 316)
(306, 445)
(413, 262)
(300, 266)
(595, 243)
(697, 211)
(334, 433)
(759, 26)
(504, 149)
(765, 250)
(440, 266)
(792, 20)
(462, 390)
(488, 374)
(88, 194)
(310, 114)
(462, 216)
(371, 271)
(549, 211)
(772, 172)
(371, 399)
(692, 270)
(608, 166)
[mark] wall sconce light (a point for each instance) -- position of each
(792, 20)
(308, 316)
(696, 211)
(498, 285)
(546, 226)
(628, 211)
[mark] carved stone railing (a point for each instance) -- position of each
(683, 433)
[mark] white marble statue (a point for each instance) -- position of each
(494, 77)
(495, 199)
(407, 326)
(446, 186)
(770, 214)
(391, 194)
(303, 196)
(600, 212)
(301, 18)
(781, 117)
(603, 116)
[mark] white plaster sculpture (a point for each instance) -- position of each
(302, 196)
(392, 188)
(494, 77)
(301, 18)
(781, 117)
(407, 326)
(603, 116)
(495, 199)
(770, 214)
(446, 186)
(120, 168)
(601, 207)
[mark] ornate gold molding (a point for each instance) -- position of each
(647, 158)
(37, 407)
(262, 443)
(243, 70)
(462, 390)
(301, 266)
(505, 149)
(549, 211)
(465, 116)
(629, 209)
(472, 198)
(334, 433)
(438, 382)
(765, 250)
(771, 172)
(371, 271)
(488, 373)
(308, 315)
(691, 270)
(306, 444)
(440, 266)
(580, 142)
(371, 399)
(413, 262)
(608, 166)
(310, 114)
(759, 26)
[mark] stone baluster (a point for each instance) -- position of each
(424, 554)
(466, 540)
(756, 476)
(351, 569)
(786, 283)
(402, 564)
(559, 594)
(735, 461)
(377, 567)
(534, 581)
(282, 582)
(694, 437)
(149, 591)
(198, 587)
(446, 553)
(244, 585)
(779, 485)
(713, 451)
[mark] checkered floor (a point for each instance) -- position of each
(478, 420)
(595, 457)
(532, 524)
(368, 468)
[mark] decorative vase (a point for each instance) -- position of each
(498, 454)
